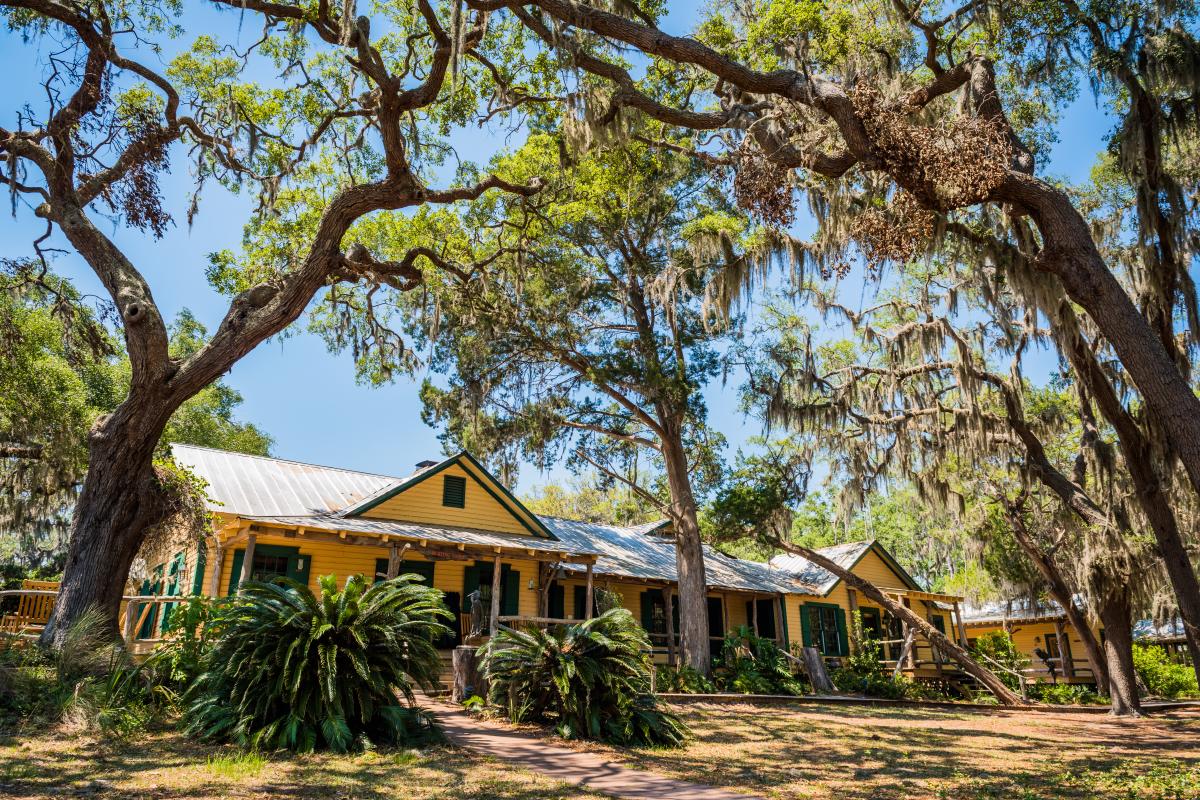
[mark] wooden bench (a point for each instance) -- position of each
(33, 610)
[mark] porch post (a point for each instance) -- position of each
(247, 562)
(668, 601)
(754, 613)
(589, 603)
(218, 561)
(852, 601)
(1067, 663)
(494, 617)
(393, 568)
(962, 627)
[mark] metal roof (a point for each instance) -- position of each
(418, 530)
(1147, 630)
(631, 552)
(816, 578)
(259, 486)
(294, 494)
(1016, 609)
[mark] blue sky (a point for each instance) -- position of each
(304, 396)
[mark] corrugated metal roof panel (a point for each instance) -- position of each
(631, 552)
(258, 486)
(417, 530)
(818, 578)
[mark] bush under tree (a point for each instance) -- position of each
(590, 680)
(299, 672)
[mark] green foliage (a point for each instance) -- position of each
(293, 671)
(89, 683)
(684, 680)
(590, 680)
(1164, 675)
(995, 648)
(195, 625)
(1065, 694)
(863, 672)
(751, 664)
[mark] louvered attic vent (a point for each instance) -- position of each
(454, 491)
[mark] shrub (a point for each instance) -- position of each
(685, 680)
(750, 664)
(289, 670)
(1163, 675)
(998, 646)
(863, 672)
(88, 682)
(1064, 694)
(590, 679)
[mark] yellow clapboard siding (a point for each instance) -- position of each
(344, 560)
(423, 503)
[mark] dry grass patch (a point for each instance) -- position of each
(865, 752)
(166, 765)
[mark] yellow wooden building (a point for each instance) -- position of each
(1041, 633)
(453, 523)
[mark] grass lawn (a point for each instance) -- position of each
(168, 766)
(865, 752)
(800, 752)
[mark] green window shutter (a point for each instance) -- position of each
(843, 641)
(299, 566)
(556, 608)
(580, 605)
(235, 573)
(422, 568)
(511, 596)
(174, 586)
(647, 598)
(470, 581)
(454, 491)
(806, 624)
(198, 569)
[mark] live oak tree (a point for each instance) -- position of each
(360, 111)
(921, 397)
(61, 369)
(589, 343)
(916, 127)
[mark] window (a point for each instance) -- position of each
(267, 566)
(823, 624)
(454, 491)
(270, 562)
(872, 626)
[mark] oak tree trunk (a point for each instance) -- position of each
(120, 501)
(1005, 695)
(689, 559)
(1115, 615)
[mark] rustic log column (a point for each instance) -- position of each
(852, 601)
(668, 601)
(754, 613)
(590, 602)
(961, 626)
(247, 562)
(218, 562)
(467, 679)
(393, 567)
(1066, 662)
(814, 665)
(494, 616)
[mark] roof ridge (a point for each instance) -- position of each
(173, 445)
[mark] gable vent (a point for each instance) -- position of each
(454, 491)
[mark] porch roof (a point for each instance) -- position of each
(416, 531)
(633, 553)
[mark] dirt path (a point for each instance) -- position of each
(570, 766)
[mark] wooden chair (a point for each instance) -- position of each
(33, 610)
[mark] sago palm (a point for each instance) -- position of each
(591, 679)
(290, 670)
